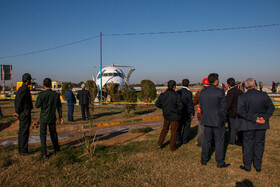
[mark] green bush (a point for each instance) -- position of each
(148, 91)
(92, 88)
(129, 95)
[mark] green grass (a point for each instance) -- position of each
(141, 130)
(139, 164)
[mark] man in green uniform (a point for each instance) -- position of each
(49, 101)
(23, 107)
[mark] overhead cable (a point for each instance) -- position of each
(141, 33)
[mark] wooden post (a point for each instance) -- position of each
(3, 78)
(11, 73)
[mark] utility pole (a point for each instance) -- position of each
(101, 67)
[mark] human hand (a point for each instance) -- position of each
(16, 115)
(260, 120)
(61, 121)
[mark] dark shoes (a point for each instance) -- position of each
(224, 165)
(243, 167)
(24, 153)
(258, 170)
(45, 156)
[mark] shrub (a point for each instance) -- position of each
(129, 95)
(148, 91)
(92, 88)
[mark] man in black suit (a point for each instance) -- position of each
(255, 108)
(233, 121)
(171, 105)
(187, 113)
(213, 114)
(84, 99)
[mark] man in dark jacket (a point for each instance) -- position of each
(255, 108)
(49, 101)
(233, 121)
(84, 98)
(213, 115)
(23, 107)
(171, 106)
(187, 113)
(71, 101)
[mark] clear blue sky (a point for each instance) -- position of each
(31, 25)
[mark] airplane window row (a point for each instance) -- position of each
(111, 75)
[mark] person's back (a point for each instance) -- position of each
(213, 106)
(255, 104)
(49, 101)
(83, 96)
(168, 102)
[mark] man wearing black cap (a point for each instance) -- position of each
(49, 101)
(23, 107)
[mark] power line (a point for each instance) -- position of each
(49, 49)
(141, 33)
(200, 30)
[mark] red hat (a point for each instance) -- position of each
(205, 81)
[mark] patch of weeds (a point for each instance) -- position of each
(65, 157)
(5, 161)
(141, 130)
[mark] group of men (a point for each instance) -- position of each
(84, 99)
(247, 113)
(49, 101)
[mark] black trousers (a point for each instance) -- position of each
(184, 131)
(233, 129)
(53, 135)
(85, 109)
(253, 148)
(23, 133)
(219, 137)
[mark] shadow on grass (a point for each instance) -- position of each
(244, 183)
(145, 112)
(99, 137)
(95, 116)
(5, 125)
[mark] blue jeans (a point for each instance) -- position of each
(70, 112)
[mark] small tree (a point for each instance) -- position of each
(129, 95)
(92, 88)
(148, 91)
(64, 88)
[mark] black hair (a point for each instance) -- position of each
(26, 77)
(213, 77)
(185, 82)
(171, 84)
(47, 82)
(231, 81)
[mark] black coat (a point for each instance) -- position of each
(213, 106)
(84, 97)
(251, 105)
(171, 105)
(188, 107)
(232, 100)
(23, 100)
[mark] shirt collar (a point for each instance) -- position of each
(186, 88)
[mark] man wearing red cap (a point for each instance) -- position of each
(205, 83)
